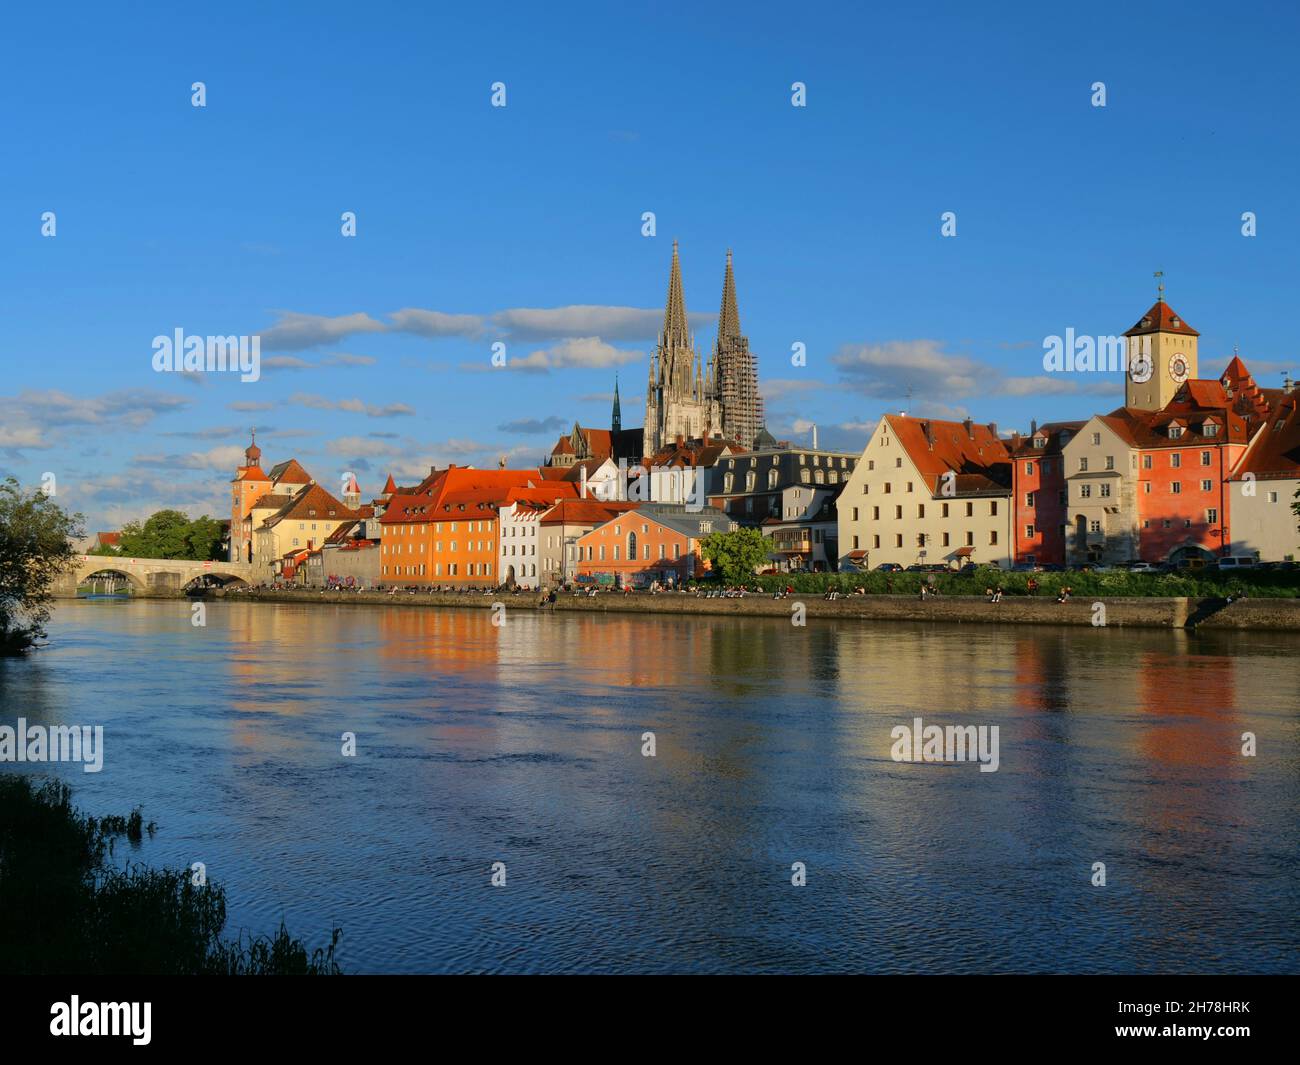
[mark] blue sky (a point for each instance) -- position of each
(226, 219)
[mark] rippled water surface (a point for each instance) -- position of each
(522, 744)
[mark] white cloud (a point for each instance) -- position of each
(295, 331)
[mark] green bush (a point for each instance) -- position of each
(1114, 584)
(64, 909)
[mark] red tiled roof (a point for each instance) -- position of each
(109, 539)
(974, 452)
(479, 491)
(1275, 450)
(315, 503)
(1161, 318)
(251, 473)
(390, 486)
(584, 512)
(290, 472)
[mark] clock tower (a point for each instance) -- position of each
(1161, 352)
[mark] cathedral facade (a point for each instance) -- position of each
(682, 398)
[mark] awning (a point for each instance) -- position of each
(857, 554)
(963, 552)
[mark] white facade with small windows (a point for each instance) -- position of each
(1101, 485)
(518, 548)
(928, 492)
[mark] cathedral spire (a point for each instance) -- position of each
(729, 316)
(675, 328)
(616, 420)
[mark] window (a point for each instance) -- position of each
(749, 481)
(898, 513)
(898, 462)
(970, 510)
(1176, 487)
(1205, 458)
(875, 513)
(1083, 464)
(875, 541)
(946, 539)
(855, 513)
(631, 546)
(805, 477)
(1110, 462)
(1029, 469)
(1094, 526)
(1105, 491)
(1212, 516)
(1146, 462)
(898, 539)
(970, 539)
(1029, 532)
(1085, 491)
(993, 508)
(887, 488)
(909, 486)
(1176, 460)
(1096, 439)
(1209, 429)
(772, 476)
(1272, 497)
(920, 510)
(945, 510)
(993, 536)
(866, 489)
(727, 480)
(1207, 486)
(1029, 499)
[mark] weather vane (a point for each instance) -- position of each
(1160, 287)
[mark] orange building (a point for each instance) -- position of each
(249, 485)
(654, 542)
(446, 530)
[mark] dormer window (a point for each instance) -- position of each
(1039, 442)
(1209, 429)
(1175, 431)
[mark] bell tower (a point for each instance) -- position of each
(1161, 351)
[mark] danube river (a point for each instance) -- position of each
(523, 745)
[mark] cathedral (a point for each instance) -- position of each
(682, 400)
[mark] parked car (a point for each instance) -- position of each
(1025, 567)
(889, 567)
(1233, 563)
(1143, 567)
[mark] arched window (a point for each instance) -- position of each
(805, 476)
(749, 481)
(727, 480)
(772, 476)
(631, 545)
(820, 476)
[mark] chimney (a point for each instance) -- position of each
(970, 427)
(993, 428)
(929, 434)
(814, 436)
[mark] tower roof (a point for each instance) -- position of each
(675, 323)
(1161, 318)
(729, 316)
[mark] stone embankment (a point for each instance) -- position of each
(1133, 612)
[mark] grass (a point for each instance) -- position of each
(65, 909)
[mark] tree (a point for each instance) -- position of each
(735, 555)
(36, 537)
(171, 534)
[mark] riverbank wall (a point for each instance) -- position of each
(1153, 613)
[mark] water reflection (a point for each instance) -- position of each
(522, 743)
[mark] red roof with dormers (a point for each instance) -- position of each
(444, 492)
(1275, 450)
(1161, 318)
(978, 457)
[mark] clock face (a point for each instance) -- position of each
(1139, 370)
(1179, 367)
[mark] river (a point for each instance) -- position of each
(522, 744)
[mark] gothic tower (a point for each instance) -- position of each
(678, 399)
(616, 419)
(735, 371)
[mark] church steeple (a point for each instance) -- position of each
(676, 331)
(252, 453)
(729, 316)
(616, 419)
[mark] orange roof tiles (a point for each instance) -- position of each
(1161, 318)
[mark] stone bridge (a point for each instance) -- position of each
(157, 576)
